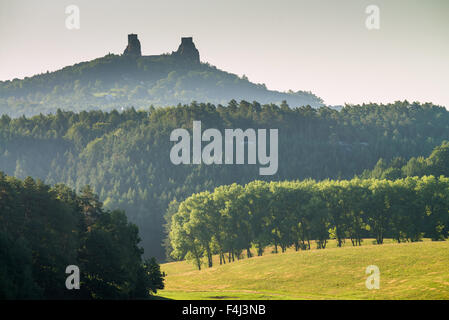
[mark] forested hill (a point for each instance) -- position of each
(115, 82)
(125, 156)
(437, 163)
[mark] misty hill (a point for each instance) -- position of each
(131, 79)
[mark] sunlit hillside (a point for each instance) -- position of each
(407, 271)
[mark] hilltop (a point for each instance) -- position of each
(132, 79)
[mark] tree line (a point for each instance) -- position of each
(437, 164)
(236, 219)
(44, 229)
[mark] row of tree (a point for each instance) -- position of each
(45, 229)
(234, 219)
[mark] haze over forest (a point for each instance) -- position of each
(121, 147)
(125, 156)
(86, 176)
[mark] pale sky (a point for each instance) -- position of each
(317, 45)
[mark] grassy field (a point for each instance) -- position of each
(407, 271)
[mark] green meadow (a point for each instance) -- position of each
(418, 270)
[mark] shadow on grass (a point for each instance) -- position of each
(159, 298)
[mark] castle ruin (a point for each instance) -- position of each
(186, 50)
(133, 48)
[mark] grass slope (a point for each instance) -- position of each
(407, 271)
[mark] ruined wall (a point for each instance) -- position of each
(133, 48)
(187, 50)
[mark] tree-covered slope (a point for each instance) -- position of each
(45, 229)
(437, 163)
(117, 81)
(125, 156)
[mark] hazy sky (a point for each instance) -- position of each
(317, 45)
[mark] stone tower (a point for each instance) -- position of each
(133, 48)
(187, 50)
